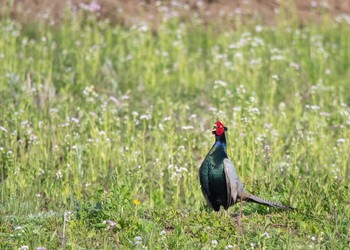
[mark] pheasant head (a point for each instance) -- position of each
(219, 128)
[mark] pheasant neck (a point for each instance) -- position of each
(220, 141)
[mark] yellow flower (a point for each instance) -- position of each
(136, 201)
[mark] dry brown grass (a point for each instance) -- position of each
(209, 11)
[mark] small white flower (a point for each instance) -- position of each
(252, 99)
(313, 238)
(324, 114)
(275, 77)
(220, 83)
(294, 65)
(144, 117)
(53, 110)
(63, 125)
(24, 123)
(341, 140)
(24, 248)
(187, 127)
(193, 116)
(236, 109)
(266, 234)
(214, 242)
(254, 111)
(75, 120)
(59, 175)
(137, 240)
(258, 28)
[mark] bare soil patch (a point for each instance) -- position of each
(130, 12)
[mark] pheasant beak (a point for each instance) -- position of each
(214, 129)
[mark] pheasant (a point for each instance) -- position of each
(219, 180)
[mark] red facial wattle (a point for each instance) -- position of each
(219, 128)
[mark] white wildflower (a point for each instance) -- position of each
(252, 99)
(59, 175)
(254, 111)
(187, 127)
(125, 97)
(168, 118)
(110, 224)
(266, 234)
(75, 120)
(341, 140)
(258, 28)
(219, 83)
(343, 18)
(192, 116)
(294, 65)
(275, 77)
(24, 123)
(214, 243)
(325, 114)
(137, 240)
(145, 117)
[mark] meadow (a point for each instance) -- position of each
(103, 129)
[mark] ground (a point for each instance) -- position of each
(209, 11)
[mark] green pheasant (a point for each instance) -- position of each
(219, 180)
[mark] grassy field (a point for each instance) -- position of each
(103, 130)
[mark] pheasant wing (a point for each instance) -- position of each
(234, 185)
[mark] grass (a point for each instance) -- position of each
(104, 128)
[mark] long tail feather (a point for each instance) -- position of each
(256, 199)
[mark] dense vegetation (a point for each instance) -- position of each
(103, 129)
